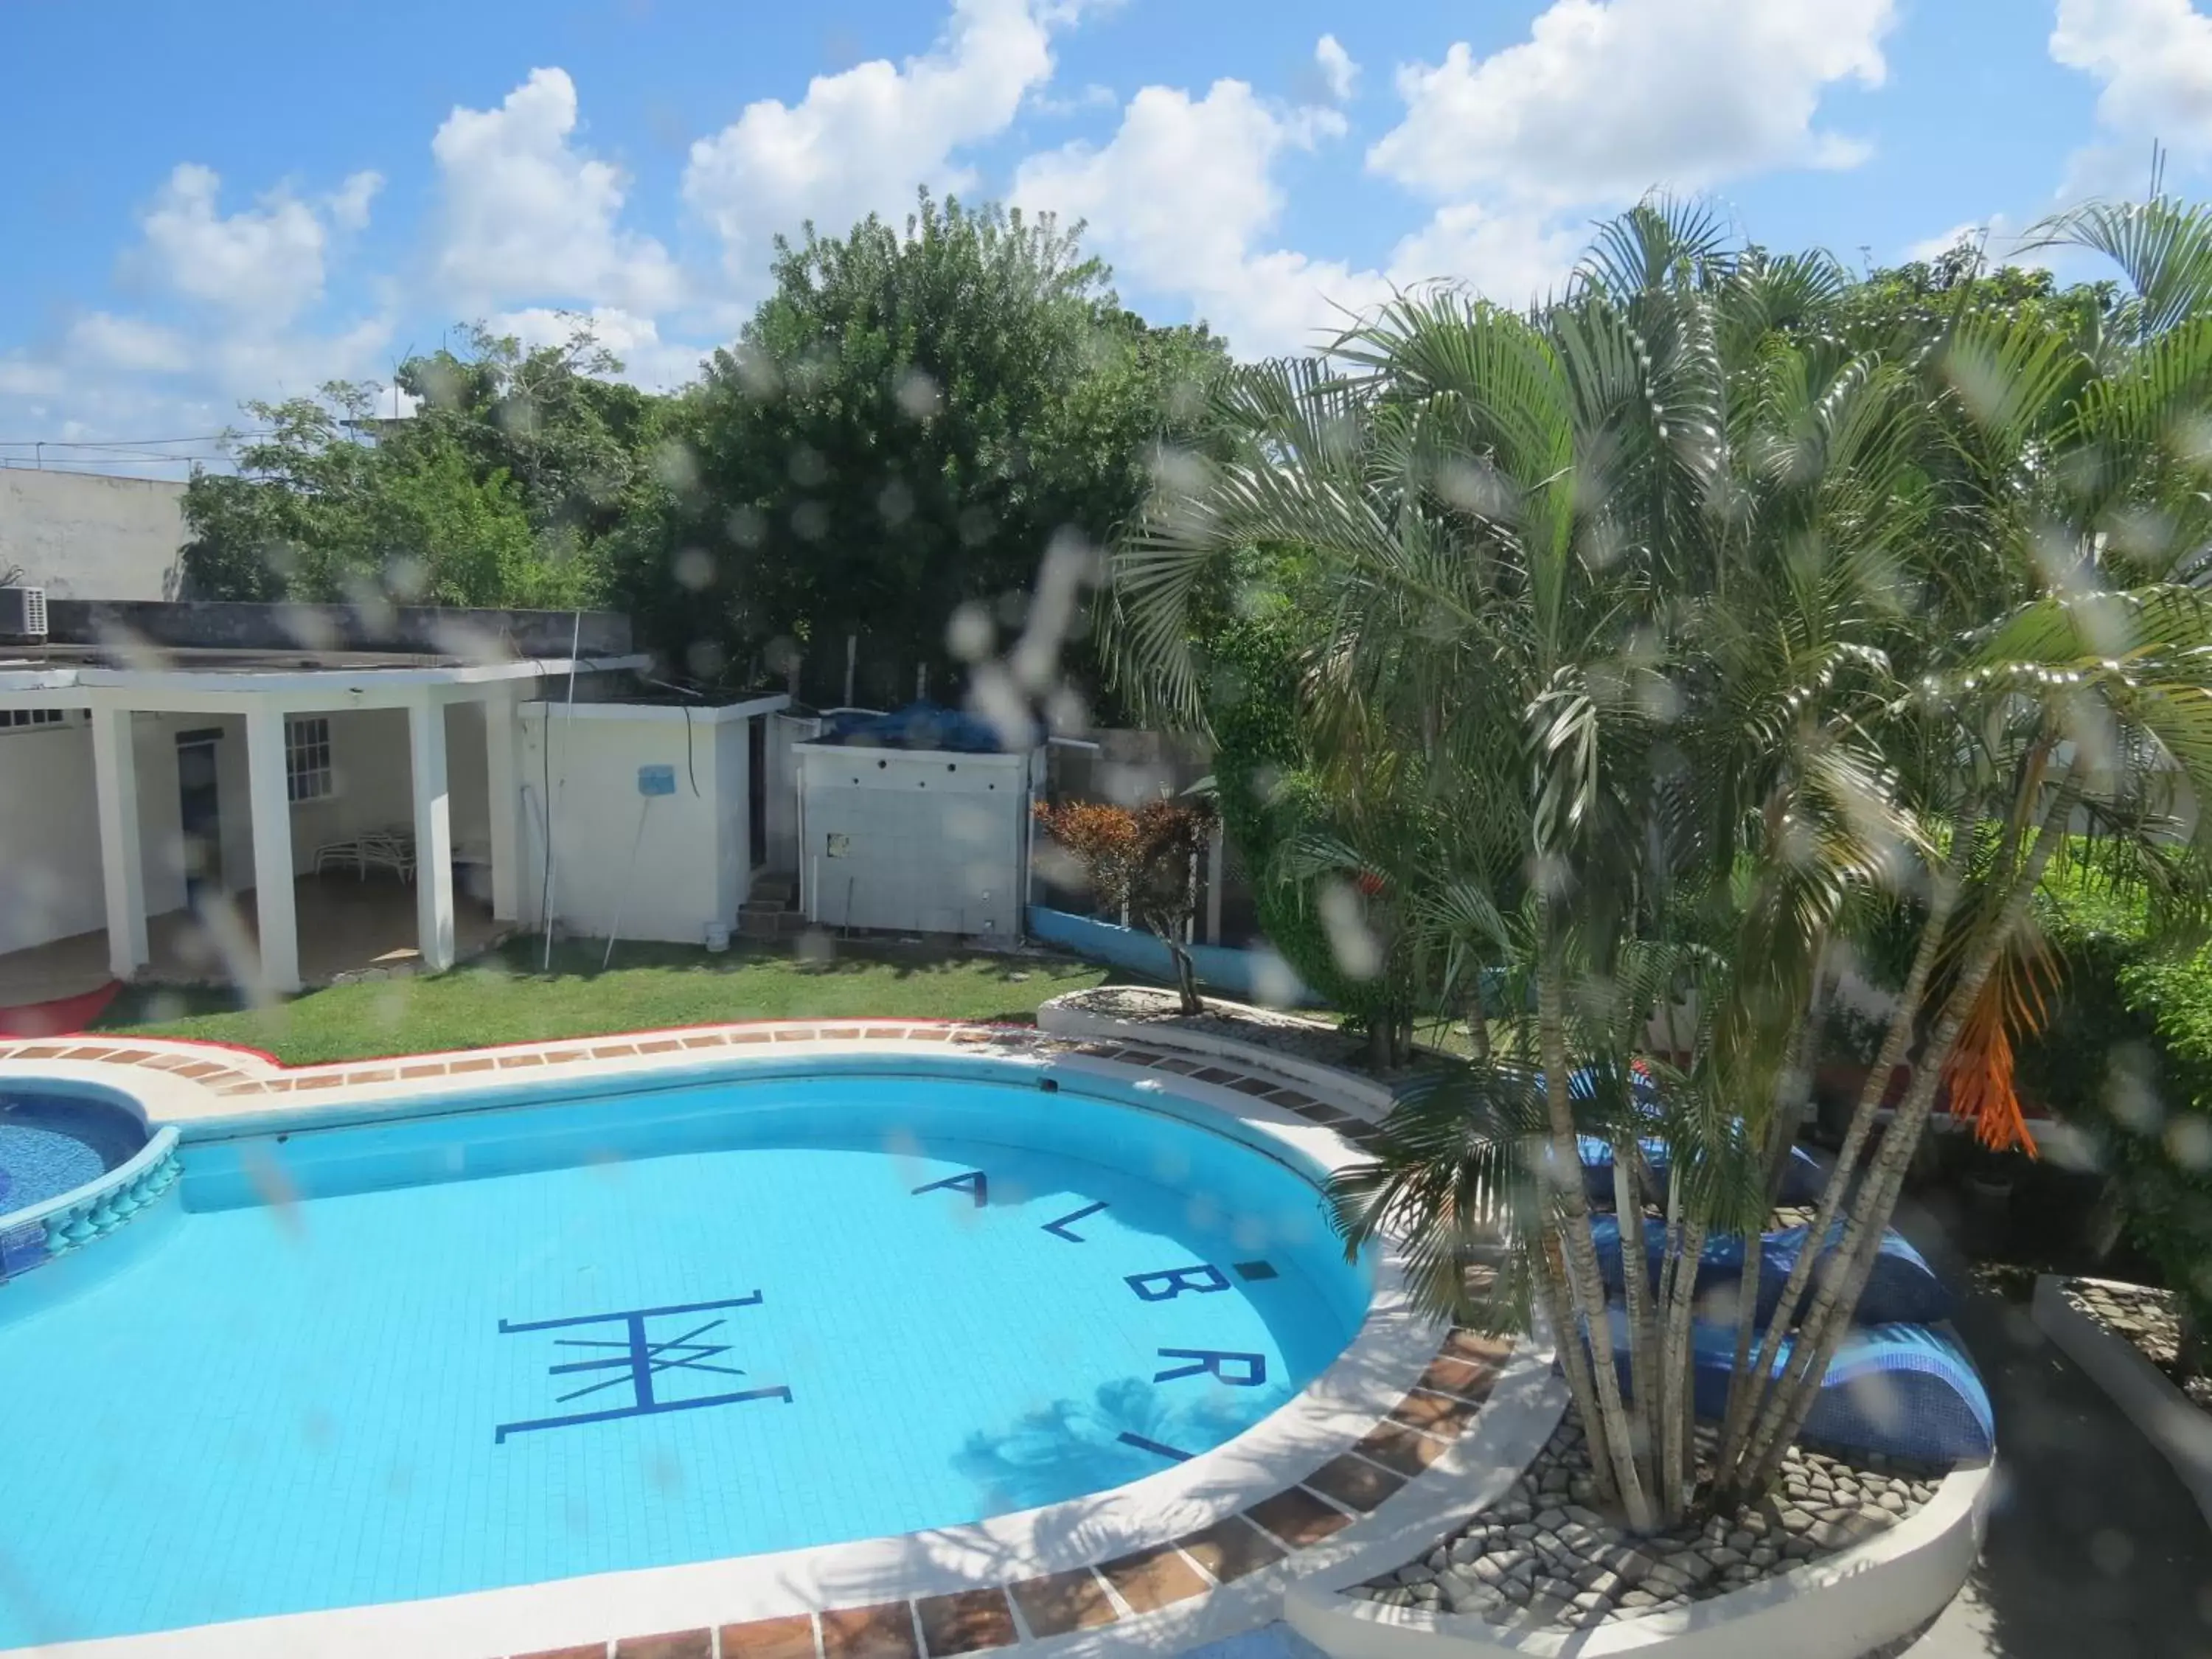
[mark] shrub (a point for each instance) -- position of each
(1142, 861)
(2127, 1056)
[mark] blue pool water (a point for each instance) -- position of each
(53, 1142)
(448, 1354)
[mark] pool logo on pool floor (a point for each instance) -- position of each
(637, 1357)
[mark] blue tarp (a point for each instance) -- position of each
(1902, 1288)
(924, 725)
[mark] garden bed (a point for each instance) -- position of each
(1313, 1040)
(2148, 1321)
(1543, 1556)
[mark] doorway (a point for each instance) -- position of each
(199, 813)
(757, 790)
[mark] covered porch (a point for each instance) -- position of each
(330, 766)
(270, 828)
(346, 925)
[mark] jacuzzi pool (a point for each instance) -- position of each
(540, 1340)
(52, 1142)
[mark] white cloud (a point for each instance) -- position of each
(1511, 256)
(861, 141)
(348, 204)
(2154, 58)
(647, 361)
(1183, 195)
(130, 344)
(226, 318)
(1184, 201)
(1338, 72)
(1607, 98)
(527, 216)
(2153, 62)
(267, 262)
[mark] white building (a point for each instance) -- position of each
(182, 778)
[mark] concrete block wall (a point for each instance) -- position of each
(914, 841)
(82, 535)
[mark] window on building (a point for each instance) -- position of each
(17, 720)
(307, 756)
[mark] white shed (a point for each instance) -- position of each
(914, 840)
(657, 813)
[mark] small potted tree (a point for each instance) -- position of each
(1142, 864)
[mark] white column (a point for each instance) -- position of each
(122, 864)
(434, 836)
(503, 786)
(275, 917)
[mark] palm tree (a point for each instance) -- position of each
(1691, 636)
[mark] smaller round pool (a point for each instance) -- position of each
(52, 1144)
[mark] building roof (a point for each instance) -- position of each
(191, 650)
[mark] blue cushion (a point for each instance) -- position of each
(1800, 1182)
(1898, 1390)
(1901, 1289)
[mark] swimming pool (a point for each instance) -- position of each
(578, 1335)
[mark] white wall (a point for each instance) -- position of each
(683, 876)
(372, 784)
(50, 879)
(468, 777)
(916, 842)
(84, 537)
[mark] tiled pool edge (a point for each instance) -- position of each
(1393, 1455)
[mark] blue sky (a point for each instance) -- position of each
(244, 199)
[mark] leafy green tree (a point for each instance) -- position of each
(497, 490)
(910, 423)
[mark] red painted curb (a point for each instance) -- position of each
(63, 1016)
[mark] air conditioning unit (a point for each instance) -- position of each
(22, 614)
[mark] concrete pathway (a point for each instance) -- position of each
(2094, 1546)
(1269, 1642)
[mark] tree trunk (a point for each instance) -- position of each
(1678, 1295)
(1609, 1436)
(1830, 1313)
(1788, 1113)
(1753, 1382)
(1567, 1337)
(1186, 976)
(1646, 1388)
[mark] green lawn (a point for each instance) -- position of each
(504, 998)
